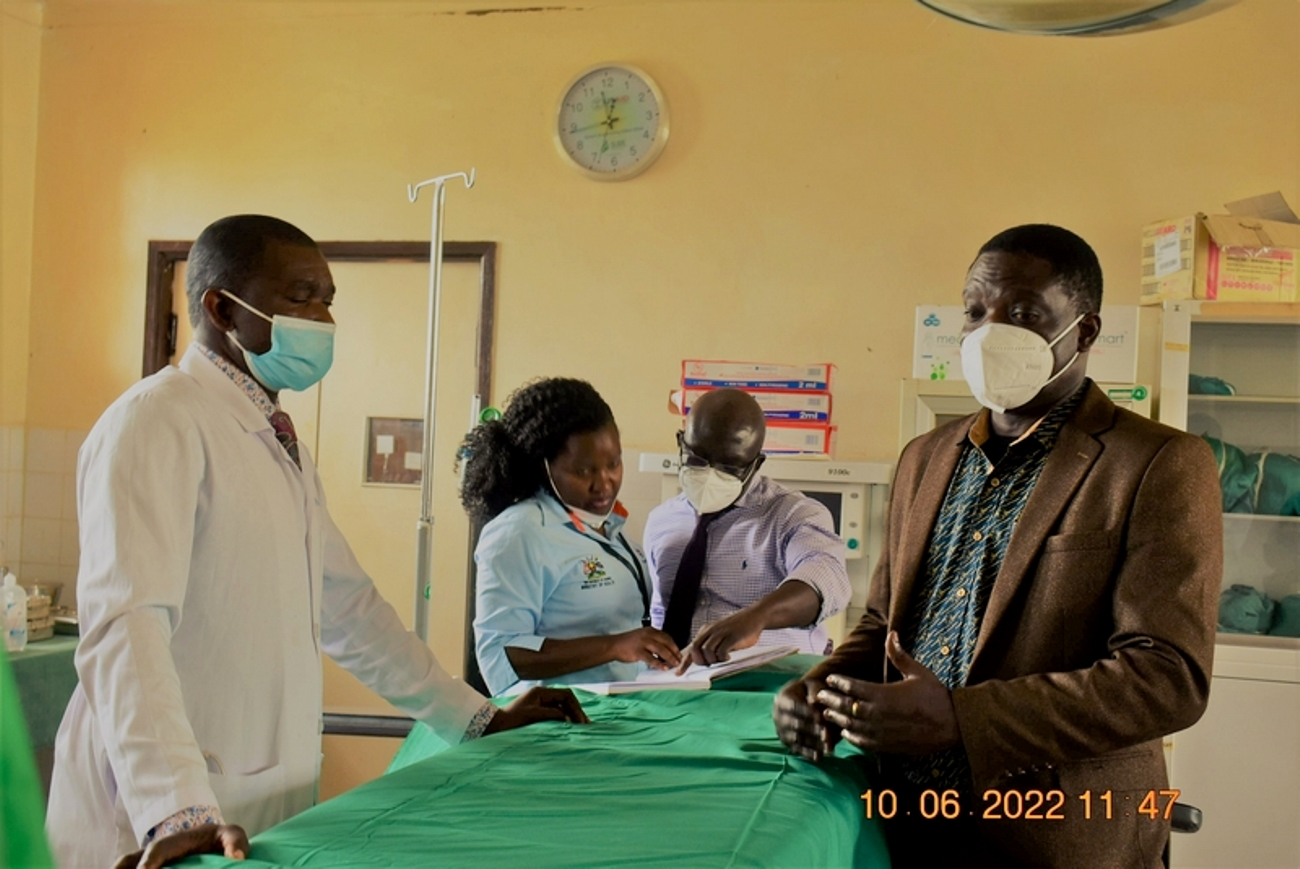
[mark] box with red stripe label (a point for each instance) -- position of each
(776, 404)
(757, 375)
(799, 439)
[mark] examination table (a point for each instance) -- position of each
(659, 778)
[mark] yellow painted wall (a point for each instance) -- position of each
(20, 46)
(832, 164)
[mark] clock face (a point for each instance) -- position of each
(612, 122)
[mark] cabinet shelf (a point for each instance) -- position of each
(1261, 659)
(1261, 313)
(1241, 754)
(1244, 399)
(1258, 641)
(1255, 657)
(1259, 517)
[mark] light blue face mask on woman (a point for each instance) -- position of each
(301, 353)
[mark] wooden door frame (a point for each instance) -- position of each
(160, 337)
(160, 319)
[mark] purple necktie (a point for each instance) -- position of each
(686, 587)
(285, 434)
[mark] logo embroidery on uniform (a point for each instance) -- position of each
(593, 569)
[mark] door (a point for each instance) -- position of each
(379, 371)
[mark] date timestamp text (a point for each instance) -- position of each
(1029, 805)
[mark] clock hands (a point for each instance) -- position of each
(609, 121)
(606, 123)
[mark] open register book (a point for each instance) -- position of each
(696, 677)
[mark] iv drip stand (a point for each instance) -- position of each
(424, 528)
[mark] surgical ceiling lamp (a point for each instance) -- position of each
(1074, 17)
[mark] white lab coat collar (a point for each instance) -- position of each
(223, 390)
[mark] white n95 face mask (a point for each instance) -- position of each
(709, 490)
(1006, 366)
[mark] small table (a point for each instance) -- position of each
(46, 678)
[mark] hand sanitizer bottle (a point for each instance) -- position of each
(15, 614)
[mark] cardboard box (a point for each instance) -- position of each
(776, 404)
(1232, 258)
(757, 375)
(799, 439)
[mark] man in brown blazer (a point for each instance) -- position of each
(1051, 568)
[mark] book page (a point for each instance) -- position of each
(741, 660)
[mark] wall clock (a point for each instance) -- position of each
(612, 122)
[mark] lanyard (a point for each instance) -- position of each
(634, 567)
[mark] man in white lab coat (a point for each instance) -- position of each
(212, 578)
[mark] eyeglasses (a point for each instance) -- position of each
(689, 459)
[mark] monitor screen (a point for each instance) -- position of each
(834, 502)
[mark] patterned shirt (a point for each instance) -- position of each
(984, 500)
(195, 816)
(255, 391)
(772, 535)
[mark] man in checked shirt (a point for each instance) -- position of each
(737, 559)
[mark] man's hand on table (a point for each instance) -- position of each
(717, 640)
(228, 840)
(914, 716)
(800, 720)
(538, 704)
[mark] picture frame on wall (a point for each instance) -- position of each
(393, 451)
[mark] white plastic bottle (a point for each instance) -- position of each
(15, 611)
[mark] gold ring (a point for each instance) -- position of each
(853, 710)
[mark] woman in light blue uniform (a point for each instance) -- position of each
(562, 596)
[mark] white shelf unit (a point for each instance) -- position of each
(1240, 764)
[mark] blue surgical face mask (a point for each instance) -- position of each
(301, 353)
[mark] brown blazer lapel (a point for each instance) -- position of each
(1072, 457)
(918, 523)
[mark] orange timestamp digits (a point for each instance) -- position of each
(1030, 805)
(1149, 805)
(932, 804)
(1014, 805)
